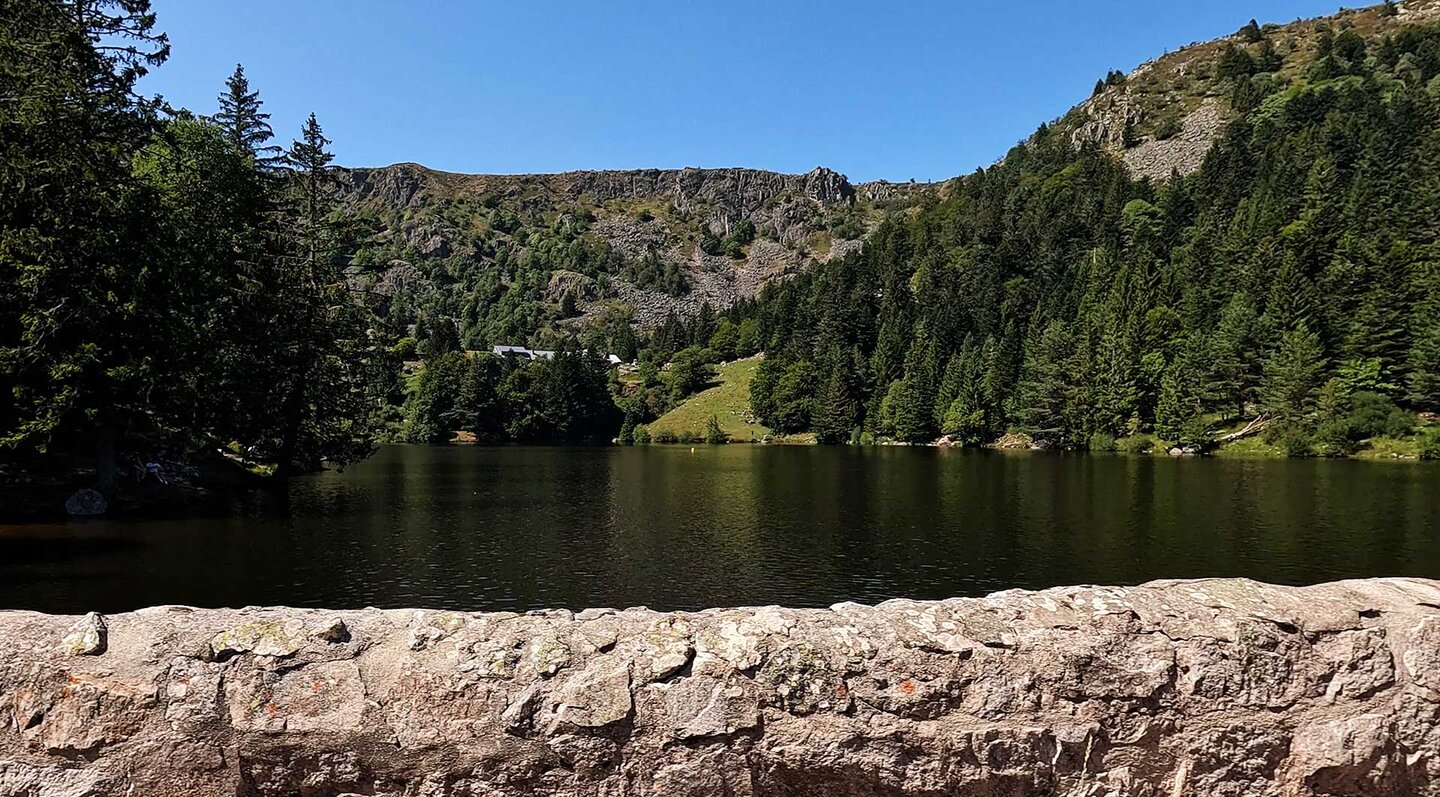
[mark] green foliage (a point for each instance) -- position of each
(835, 410)
(1293, 374)
(689, 373)
(653, 273)
(1430, 444)
(1102, 442)
(244, 123)
(725, 342)
(714, 435)
(1136, 444)
(1168, 128)
(158, 284)
(1292, 439)
(433, 415)
(1054, 294)
(747, 341)
(782, 394)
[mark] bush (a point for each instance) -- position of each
(642, 435)
(1135, 444)
(405, 349)
(1168, 128)
(1102, 442)
(714, 435)
(689, 438)
(666, 437)
(1337, 438)
(1294, 441)
(1430, 444)
(1375, 415)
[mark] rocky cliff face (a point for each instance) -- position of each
(738, 190)
(451, 229)
(1217, 687)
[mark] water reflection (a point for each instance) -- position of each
(518, 528)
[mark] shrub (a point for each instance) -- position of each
(1168, 128)
(1135, 444)
(1102, 442)
(1430, 444)
(642, 435)
(689, 438)
(1374, 415)
(1337, 438)
(714, 435)
(666, 437)
(1294, 441)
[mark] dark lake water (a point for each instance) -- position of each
(519, 528)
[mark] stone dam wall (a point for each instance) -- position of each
(1215, 687)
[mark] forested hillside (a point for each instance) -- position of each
(598, 255)
(1292, 278)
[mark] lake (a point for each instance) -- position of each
(478, 528)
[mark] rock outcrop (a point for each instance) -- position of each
(740, 191)
(1215, 687)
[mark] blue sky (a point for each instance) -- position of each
(923, 89)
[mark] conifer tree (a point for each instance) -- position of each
(247, 127)
(1293, 375)
(80, 318)
(1423, 359)
(326, 360)
(835, 410)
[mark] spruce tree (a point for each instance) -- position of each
(247, 127)
(1293, 375)
(835, 410)
(1423, 360)
(327, 363)
(81, 320)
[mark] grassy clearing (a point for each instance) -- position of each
(1391, 448)
(728, 401)
(1251, 448)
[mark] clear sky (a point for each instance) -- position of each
(888, 89)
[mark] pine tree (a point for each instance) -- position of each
(1423, 359)
(80, 318)
(1043, 394)
(1235, 357)
(327, 362)
(914, 413)
(835, 410)
(1293, 375)
(247, 127)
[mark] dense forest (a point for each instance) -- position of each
(167, 281)
(1293, 281)
(177, 282)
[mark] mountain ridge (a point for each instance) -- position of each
(661, 241)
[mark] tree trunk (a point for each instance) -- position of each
(106, 472)
(293, 415)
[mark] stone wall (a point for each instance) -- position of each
(1217, 687)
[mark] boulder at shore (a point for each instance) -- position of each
(1213, 687)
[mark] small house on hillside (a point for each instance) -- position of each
(538, 354)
